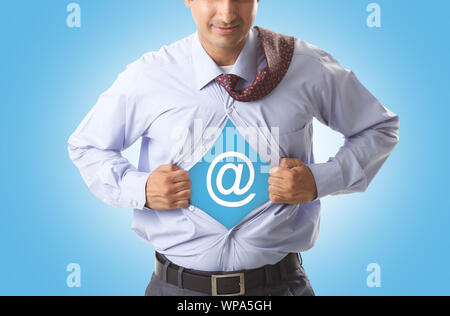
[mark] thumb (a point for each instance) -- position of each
(168, 168)
(291, 162)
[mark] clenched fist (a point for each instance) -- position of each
(292, 183)
(168, 188)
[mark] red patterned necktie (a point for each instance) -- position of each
(278, 50)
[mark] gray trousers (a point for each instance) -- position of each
(296, 283)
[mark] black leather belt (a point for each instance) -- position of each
(224, 283)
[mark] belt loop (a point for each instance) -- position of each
(180, 277)
(166, 265)
(300, 259)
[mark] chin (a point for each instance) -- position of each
(226, 43)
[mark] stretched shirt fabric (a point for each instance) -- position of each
(176, 86)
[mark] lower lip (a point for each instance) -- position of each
(226, 31)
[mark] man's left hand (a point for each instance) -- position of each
(292, 183)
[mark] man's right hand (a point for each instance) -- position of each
(168, 188)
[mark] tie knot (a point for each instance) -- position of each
(228, 81)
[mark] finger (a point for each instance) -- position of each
(182, 195)
(179, 176)
(291, 162)
(273, 170)
(277, 199)
(181, 186)
(284, 163)
(168, 168)
(276, 181)
(280, 172)
(277, 190)
(301, 169)
(181, 204)
(158, 203)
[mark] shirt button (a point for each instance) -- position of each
(134, 203)
(191, 208)
(205, 149)
(230, 110)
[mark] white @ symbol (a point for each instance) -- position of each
(236, 186)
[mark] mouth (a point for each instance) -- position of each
(226, 30)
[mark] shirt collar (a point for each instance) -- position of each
(206, 68)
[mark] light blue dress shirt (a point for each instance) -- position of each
(175, 86)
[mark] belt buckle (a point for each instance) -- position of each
(224, 276)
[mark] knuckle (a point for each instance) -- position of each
(287, 184)
(291, 185)
(165, 190)
(172, 167)
(166, 180)
(182, 173)
(183, 203)
(274, 198)
(169, 200)
(273, 190)
(290, 176)
(183, 194)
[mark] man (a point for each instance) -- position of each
(231, 71)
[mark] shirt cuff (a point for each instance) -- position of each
(328, 178)
(133, 189)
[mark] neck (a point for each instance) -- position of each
(223, 56)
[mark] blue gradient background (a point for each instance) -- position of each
(52, 75)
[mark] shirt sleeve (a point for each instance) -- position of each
(370, 130)
(95, 147)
